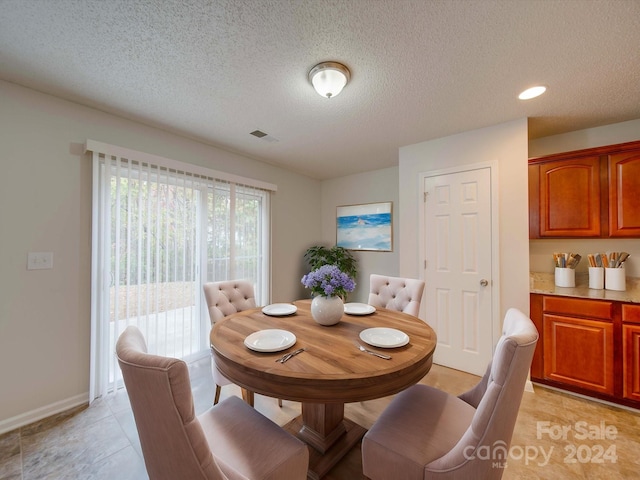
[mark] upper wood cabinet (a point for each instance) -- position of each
(570, 198)
(624, 194)
(587, 193)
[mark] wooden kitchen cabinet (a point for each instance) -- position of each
(631, 351)
(578, 343)
(591, 347)
(624, 194)
(592, 193)
(570, 198)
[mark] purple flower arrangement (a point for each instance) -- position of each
(330, 281)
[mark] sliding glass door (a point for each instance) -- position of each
(159, 234)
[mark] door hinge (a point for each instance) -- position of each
(425, 264)
(425, 195)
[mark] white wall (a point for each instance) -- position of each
(505, 145)
(45, 205)
(588, 138)
(541, 250)
(371, 187)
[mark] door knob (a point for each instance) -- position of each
(484, 282)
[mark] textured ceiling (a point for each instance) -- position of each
(217, 70)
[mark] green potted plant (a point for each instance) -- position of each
(342, 258)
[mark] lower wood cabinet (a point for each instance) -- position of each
(631, 351)
(579, 352)
(588, 346)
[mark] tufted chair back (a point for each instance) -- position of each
(159, 388)
(226, 298)
(231, 441)
(394, 293)
(427, 433)
(496, 398)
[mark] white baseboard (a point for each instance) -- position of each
(42, 412)
(528, 387)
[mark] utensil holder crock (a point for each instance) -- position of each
(614, 279)
(596, 278)
(565, 277)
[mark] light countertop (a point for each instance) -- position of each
(544, 283)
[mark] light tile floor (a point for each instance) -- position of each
(100, 442)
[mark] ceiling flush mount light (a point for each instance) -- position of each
(532, 92)
(329, 78)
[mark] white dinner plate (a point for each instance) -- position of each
(279, 309)
(358, 309)
(384, 337)
(270, 340)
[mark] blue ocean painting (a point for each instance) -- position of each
(364, 231)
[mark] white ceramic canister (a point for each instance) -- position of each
(615, 279)
(565, 277)
(596, 278)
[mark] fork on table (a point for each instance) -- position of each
(371, 352)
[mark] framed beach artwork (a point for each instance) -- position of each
(365, 227)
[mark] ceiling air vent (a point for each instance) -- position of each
(264, 136)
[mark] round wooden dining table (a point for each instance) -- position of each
(330, 372)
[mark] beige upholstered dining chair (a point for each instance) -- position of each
(226, 298)
(426, 433)
(230, 441)
(394, 293)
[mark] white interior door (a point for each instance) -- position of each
(458, 261)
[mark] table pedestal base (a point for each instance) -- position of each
(329, 435)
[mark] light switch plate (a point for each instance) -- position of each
(39, 260)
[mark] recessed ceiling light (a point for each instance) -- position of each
(532, 92)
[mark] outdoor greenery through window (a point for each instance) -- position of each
(159, 235)
(235, 231)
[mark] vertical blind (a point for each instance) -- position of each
(159, 233)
